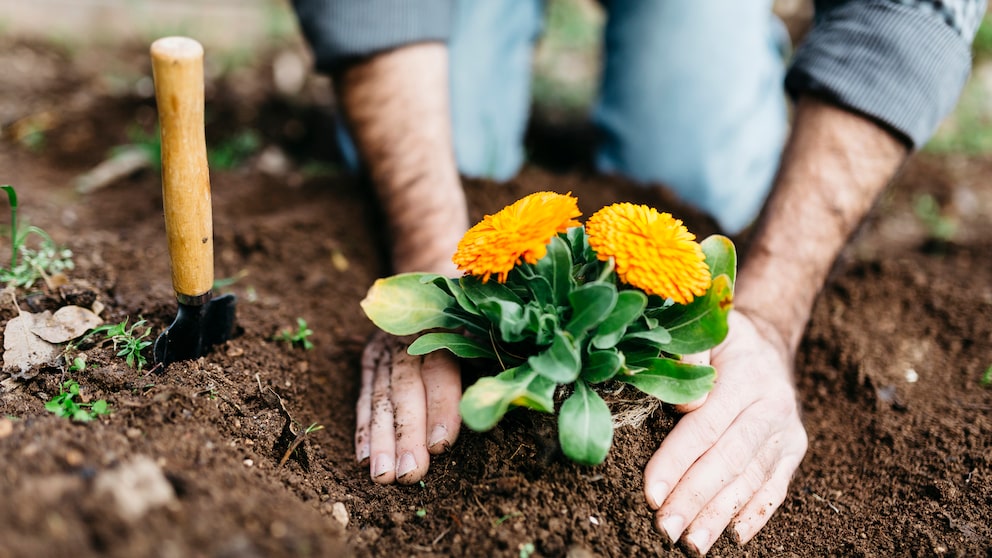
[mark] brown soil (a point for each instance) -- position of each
(895, 468)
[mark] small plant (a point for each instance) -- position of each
(27, 264)
(299, 337)
(939, 226)
(314, 427)
(987, 377)
(128, 342)
(64, 404)
(233, 151)
(527, 550)
(620, 299)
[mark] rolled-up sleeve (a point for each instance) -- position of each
(902, 63)
(341, 30)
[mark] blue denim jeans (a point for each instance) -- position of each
(691, 95)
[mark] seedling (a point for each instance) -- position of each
(939, 226)
(64, 404)
(987, 377)
(299, 337)
(128, 342)
(299, 440)
(233, 151)
(526, 550)
(27, 264)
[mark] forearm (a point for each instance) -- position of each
(834, 167)
(396, 105)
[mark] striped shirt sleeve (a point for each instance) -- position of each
(902, 63)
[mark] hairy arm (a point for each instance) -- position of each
(730, 460)
(396, 105)
(833, 169)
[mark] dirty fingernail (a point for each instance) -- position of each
(741, 531)
(363, 453)
(698, 541)
(382, 464)
(406, 466)
(673, 525)
(656, 494)
(438, 436)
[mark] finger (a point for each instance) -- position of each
(748, 438)
(443, 385)
(692, 436)
(410, 410)
(363, 407)
(759, 509)
(702, 359)
(706, 528)
(382, 440)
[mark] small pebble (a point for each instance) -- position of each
(248, 462)
(912, 376)
(340, 513)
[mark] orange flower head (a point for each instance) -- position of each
(519, 232)
(652, 251)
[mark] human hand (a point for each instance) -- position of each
(407, 409)
(732, 457)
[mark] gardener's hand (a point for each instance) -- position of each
(732, 458)
(407, 409)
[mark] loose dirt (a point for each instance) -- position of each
(890, 370)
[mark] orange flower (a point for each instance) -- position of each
(520, 231)
(652, 251)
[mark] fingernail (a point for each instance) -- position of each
(406, 466)
(656, 494)
(382, 464)
(363, 454)
(438, 436)
(741, 530)
(672, 526)
(698, 541)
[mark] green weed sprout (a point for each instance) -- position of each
(619, 299)
(128, 342)
(64, 404)
(939, 226)
(27, 264)
(987, 377)
(299, 337)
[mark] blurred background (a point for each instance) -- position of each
(566, 63)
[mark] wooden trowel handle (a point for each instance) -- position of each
(177, 68)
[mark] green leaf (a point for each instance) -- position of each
(540, 289)
(11, 195)
(591, 304)
(702, 324)
(601, 366)
(453, 288)
(100, 407)
(656, 336)
(507, 316)
(486, 401)
(721, 256)
(479, 292)
(585, 427)
(404, 304)
(459, 345)
(560, 362)
(556, 267)
(672, 381)
(630, 305)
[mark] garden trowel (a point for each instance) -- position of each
(202, 321)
